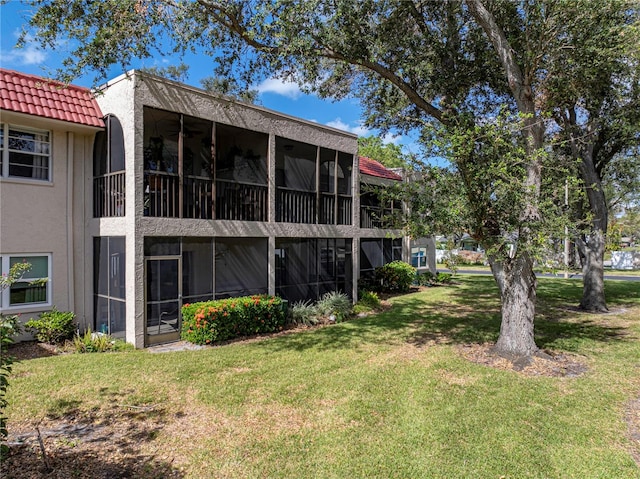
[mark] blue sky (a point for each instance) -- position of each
(274, 94)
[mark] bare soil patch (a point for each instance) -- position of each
(109, 445)
(545, 363)
(33, 350)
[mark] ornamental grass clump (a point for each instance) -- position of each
(303, 313)
(213, 321)
(91, 342)
(334, 304)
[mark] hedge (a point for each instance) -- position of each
(213, 321)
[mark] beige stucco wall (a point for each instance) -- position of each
(38, 217)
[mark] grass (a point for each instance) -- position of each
(559, 272)
(382, 396)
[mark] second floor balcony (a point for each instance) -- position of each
(167, 195)
(109, 195)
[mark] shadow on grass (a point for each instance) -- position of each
(469, 312)
(94, 443)
(67, 459)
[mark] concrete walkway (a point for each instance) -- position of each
(171, 347)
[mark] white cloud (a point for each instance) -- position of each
(362, 131)
(30, 54)
(357, 129)
(279, 87)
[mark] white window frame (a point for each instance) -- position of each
(5, 151)
(419, 252)
(5, 295)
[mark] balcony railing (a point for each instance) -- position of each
(241, 201)
(161, 194)
(294, 206)
(327, 214)
(109, 195)
(238, 201)
(233, 201)
(196, 197)
(378, 217)
(345, 208)
(327, 209)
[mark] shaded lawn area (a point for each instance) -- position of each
(384, 396)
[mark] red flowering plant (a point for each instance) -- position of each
(213, 321)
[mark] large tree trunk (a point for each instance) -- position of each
(593, 246)
(592, 254)
(517, 283)
(514, 275)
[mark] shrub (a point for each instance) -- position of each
(335, 303)
(426, 279)
(220, 320)
(53, 326)
(472, 258)
(444, 278)
(303, 312)
(9, 327)
(367, 301)
(395, 277)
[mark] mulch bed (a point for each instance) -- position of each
(33, 349)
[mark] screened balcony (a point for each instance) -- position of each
(313, 184)
(373, 214)
(187, 177)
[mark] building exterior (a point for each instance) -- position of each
(46, 137)
(179, 196)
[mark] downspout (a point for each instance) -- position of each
(70, 239)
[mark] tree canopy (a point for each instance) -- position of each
(390, 155)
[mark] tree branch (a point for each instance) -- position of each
(515, 78)
(231, 21)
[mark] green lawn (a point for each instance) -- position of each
(559, 272)
(386, 396)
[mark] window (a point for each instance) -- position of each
(34, 286)
(419, 256)
(108, 150)
(24, 153)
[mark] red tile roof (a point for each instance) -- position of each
(39, 96)
(373, 168)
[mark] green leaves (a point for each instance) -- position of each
(389, 155)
